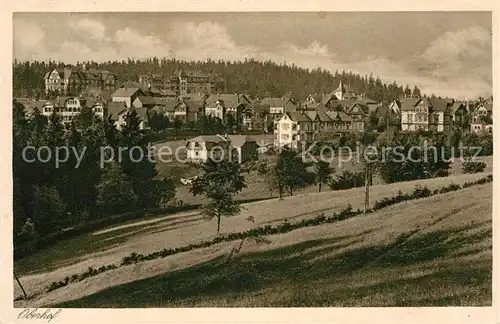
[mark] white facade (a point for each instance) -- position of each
(216, 111)
(72, 107)
(276, 110)
(481, 128)
(197, 152)
(440, 120)
(126, 100)
(54, 82)
(394, 107)
(286, 132)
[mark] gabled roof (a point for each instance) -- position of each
(147, 100)
(364, 108)
(193, 103)
(328, 97)
(409, 103)
(115, 108)
(457, 105)
(132, 84)
(487, 105)
(440, 104)
(316, 97)
(261, 140)
(196, 96)
(209, 139)
(338, 115)
(228, 100)
(239, 140)
(346, 103)
(125, 92)
(311, 114)
(319, 113)
(397, 102)
(274, 102)
(169, 104)
(298, 116)
(65, 73)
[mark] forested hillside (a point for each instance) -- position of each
(252, 77)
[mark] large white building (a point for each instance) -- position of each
(69, 107)
(287, 129)
(425, 114)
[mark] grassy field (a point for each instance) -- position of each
(415, 253)
(432, 257)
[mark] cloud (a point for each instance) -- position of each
(200, 41)
(27, 35)
(131, 43)
(95, 29)
(315, 49)
(455, 63)
(448, 55)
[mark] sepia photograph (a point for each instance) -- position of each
(251, 159)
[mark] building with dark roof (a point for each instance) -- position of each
(425, 114)
(74, 81)
(183, 82)
(239, 148)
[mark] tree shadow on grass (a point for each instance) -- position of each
(298, 267)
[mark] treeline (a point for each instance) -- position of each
(261, 79)
(49, 197)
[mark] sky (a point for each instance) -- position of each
(445, 53)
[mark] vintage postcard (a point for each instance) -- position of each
(261, 162)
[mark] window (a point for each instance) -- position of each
(410, 118)
(285, 126)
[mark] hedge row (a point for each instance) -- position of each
(74, 278)
(422, 192)
(133, 258)
(266, 230)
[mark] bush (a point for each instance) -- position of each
(420, 192)
(473, 166)
(262, 168)
(347, 180)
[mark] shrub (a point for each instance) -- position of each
(262, 168)
(473, 166)
(421, 192)
(347, 180)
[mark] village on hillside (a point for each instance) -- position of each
(184, 99)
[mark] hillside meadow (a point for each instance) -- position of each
(111, 244)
